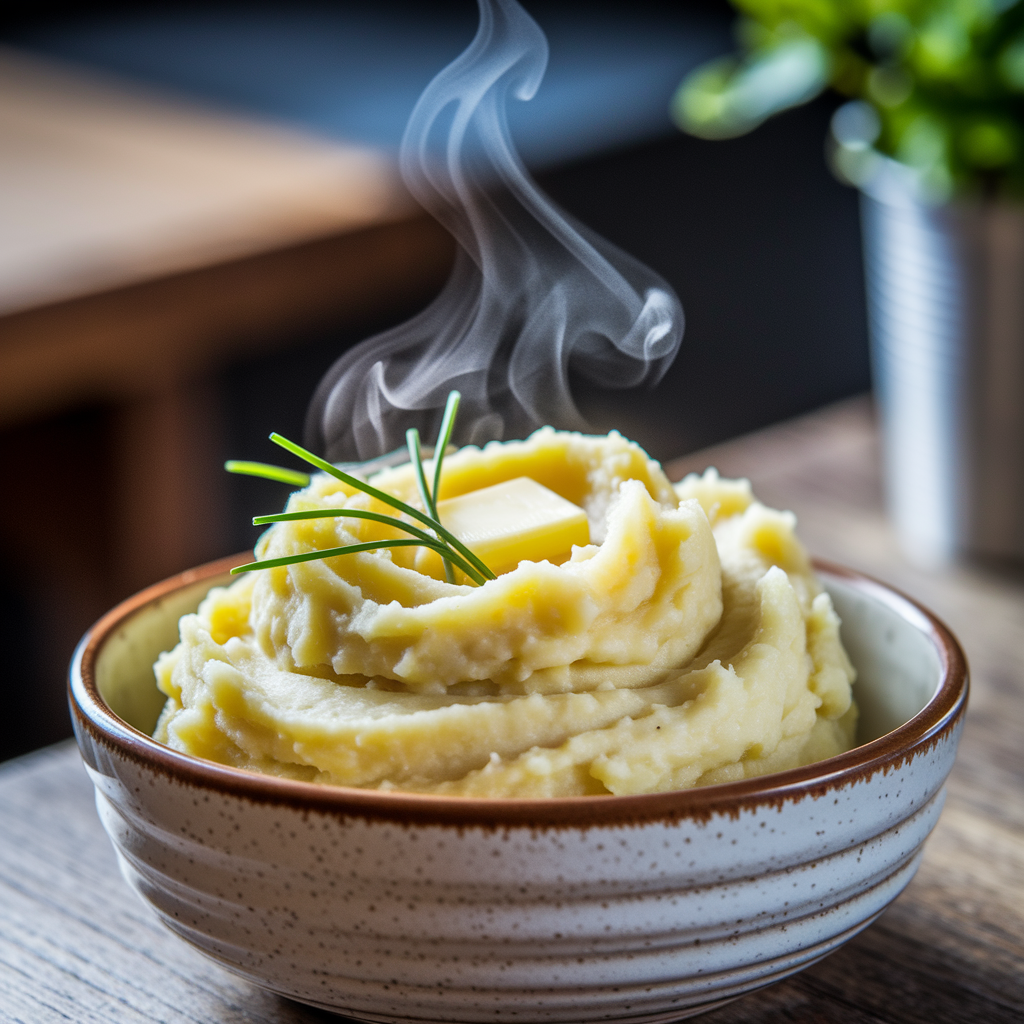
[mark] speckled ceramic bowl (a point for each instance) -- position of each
(401, 907)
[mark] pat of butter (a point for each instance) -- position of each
(511, 521)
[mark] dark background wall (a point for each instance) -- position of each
(762, 246)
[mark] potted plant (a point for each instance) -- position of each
(933, 136)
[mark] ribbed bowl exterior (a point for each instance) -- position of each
(403, 907)
(388, 922)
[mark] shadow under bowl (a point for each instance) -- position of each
(390, 906)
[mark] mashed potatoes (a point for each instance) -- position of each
(688, 644)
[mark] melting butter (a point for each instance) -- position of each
(507, 523)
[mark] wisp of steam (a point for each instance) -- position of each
(532, 297)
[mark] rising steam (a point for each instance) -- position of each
(532, 294)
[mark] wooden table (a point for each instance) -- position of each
(76, 944)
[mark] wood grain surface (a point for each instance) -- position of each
(77, 945)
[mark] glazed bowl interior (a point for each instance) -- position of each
(124, 665)
(898, 664)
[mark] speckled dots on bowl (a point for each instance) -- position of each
(399, 907)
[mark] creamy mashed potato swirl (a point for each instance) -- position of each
(688, 644)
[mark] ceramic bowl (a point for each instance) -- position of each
(403, 907)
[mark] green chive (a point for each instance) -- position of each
(451, 549)
(443, 438)
(268, 472)
(387, 499)
(377, 517)
(412, 440)
(348, 549)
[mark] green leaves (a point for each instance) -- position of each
(452, 550)
(945, 78)
(727, 98)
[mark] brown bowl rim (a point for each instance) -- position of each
(91, 717)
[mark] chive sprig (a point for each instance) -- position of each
(452, 551)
